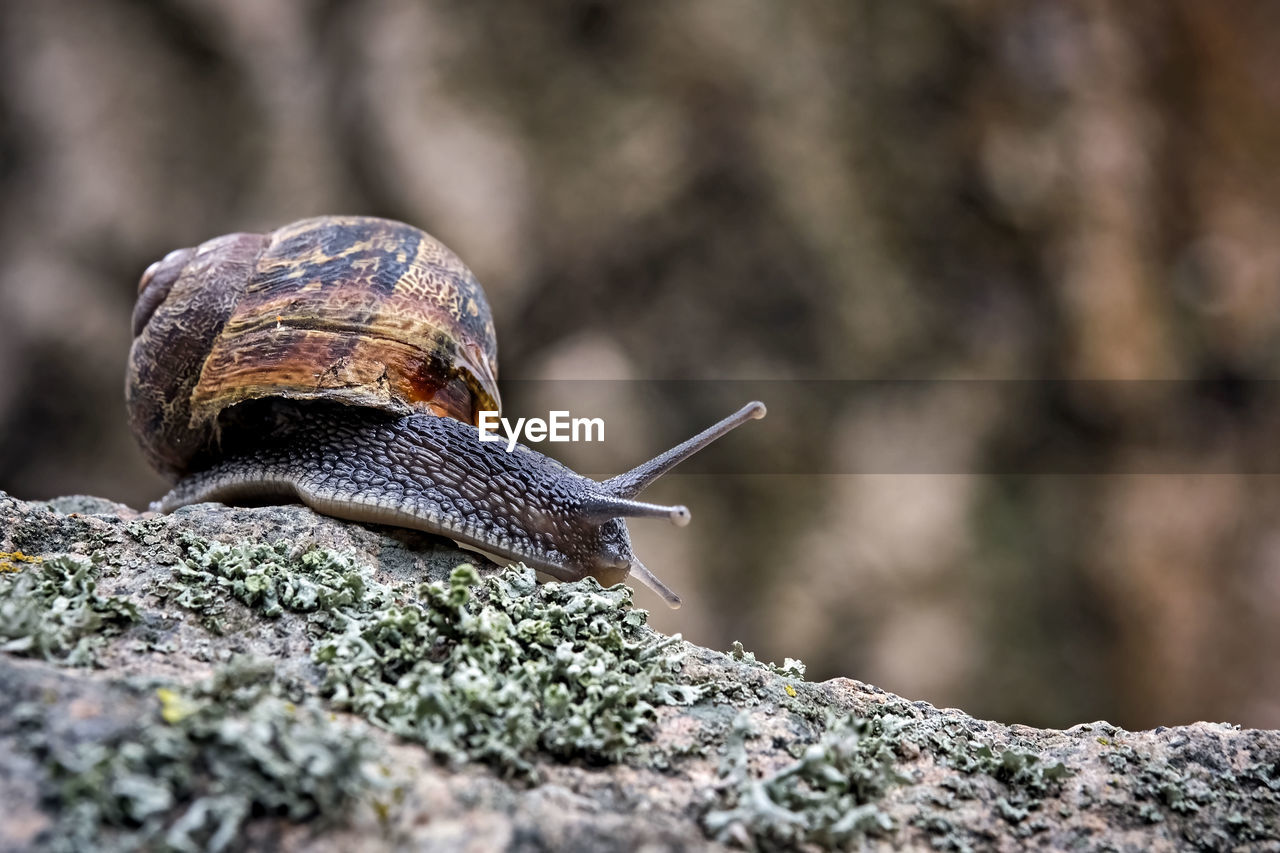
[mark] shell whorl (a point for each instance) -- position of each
(359, 310)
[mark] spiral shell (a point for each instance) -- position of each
(354, 310)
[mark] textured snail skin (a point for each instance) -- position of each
(429, 473)
(432, 473)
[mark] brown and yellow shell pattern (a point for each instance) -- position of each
(376, 309)
(356, 310)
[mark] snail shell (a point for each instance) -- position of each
(354, 310)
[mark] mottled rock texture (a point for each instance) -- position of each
(270, 677)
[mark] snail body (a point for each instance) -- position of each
(343, 362)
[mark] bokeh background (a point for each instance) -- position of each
(1007, 275)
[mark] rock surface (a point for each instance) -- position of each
(188, 681)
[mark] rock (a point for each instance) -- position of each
(224, 678)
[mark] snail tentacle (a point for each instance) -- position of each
(603, 507)
(638, 479)
(640, 572)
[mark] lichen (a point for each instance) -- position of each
(1182, 793)
(491, 670)
(210, 758)
(826, 797)
(11, 561)
(790, 668)
(973, 785)
(829, 795)
(51, 609)
(270, 579)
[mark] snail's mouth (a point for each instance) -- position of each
(547, 571)
(613, 564)
(615, 571)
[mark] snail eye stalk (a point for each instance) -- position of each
(638, 479)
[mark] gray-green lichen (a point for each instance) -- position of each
(50, 608)
(520, 676)
(790, 668)
(207, 760)
(1162, 790)
(490, 670)
(830, 794)
(825, 797)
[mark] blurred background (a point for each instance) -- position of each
(1007, 275)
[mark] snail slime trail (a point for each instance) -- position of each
(558, 427)
(347, 362)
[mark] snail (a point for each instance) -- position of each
(344, 362)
